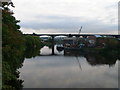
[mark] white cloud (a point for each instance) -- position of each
(102, 11)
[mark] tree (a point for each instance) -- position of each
(12, 47)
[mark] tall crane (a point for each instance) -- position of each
(77, 38)
(80, 30)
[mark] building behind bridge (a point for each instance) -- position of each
(90, 41)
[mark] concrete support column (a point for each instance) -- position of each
(84, 36)
(53, 45)
(77, 36)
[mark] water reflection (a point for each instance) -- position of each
(32, 53)
(70, 70)
(100, 60)
(94, 58)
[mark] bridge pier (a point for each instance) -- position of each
(53, 45)
(84, 36)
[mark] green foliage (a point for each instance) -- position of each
(33, 46)
(33, 42)
(107, 42)
(14, 47)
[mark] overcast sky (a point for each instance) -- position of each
(67, 16)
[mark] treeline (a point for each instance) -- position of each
(33, 45)
(108, 42)
(111, 46)
(14, 47)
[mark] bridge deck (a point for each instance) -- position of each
(114, 35)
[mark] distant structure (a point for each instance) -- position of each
(80, 30)
(83, 40)
(5, 0)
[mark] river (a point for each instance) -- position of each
(68, 71)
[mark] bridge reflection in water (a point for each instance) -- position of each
(92, 58)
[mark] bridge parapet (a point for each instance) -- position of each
(76, 35)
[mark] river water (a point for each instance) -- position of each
(68, 71)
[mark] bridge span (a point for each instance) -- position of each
(71, 35)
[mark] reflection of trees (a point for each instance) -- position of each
(100, 59)
(73, 53)
(108, 57)
(32, 53)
